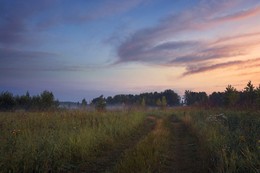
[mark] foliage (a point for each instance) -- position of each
(148, 154)
(61, 141)
(7, 101)
(233, 147)
(249, 98)
(84, 103)
(143, 104)
(45, 101)
(197, 98)
(231, 96)
(151, 99)
(100, 103)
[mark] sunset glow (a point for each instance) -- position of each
(82, 49)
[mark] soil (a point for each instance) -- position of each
(108, 158)
(184, 151)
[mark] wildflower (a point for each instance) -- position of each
(15, 132)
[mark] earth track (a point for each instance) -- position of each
(184, 150)
(108, 158)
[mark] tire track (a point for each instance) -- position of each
(184, 151)
(109, 157)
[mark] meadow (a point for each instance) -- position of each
(168, 140)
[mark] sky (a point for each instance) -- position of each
(87, 48)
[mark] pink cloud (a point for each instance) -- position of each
(239, 15)
(152, 45)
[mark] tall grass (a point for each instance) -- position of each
(234, 146)
(148, 155)
(60, 141)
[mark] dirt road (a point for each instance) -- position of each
(184, 152)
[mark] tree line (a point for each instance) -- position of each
(167, 97)
(248, 98)
(44, 101)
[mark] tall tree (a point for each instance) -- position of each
(164, 102)
(100, 103)
(250, 94)
(231, 96)
(7, 101)
(47, 100)
(257, 91)
(84, 103)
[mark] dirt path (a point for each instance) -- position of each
(109, 157)
(184, 156)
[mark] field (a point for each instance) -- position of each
(169, 140)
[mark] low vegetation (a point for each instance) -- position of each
(178, 140)
(232, 139)
(216, 133)
(61, 141)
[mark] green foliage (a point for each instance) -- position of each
(231, 96)
(164, 102)
(45, 101)
(233, 147)
(148, 155)
(84, 103)
(7, 101)
(61, 141)
(216, 99)
(100, 103)
(198, 98)
(151, 99)
(143, 103)
(257, 91)
(159, 102)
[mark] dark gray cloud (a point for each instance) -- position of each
(14, 16)
(15, 62)
(19, 19)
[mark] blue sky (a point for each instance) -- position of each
(82, 49)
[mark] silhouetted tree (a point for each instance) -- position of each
(257, 91)
(7, 101)
(164, 102)
(84, 103)
(143, 103)
(47, 100)
(150, 98)
(159, 103)
(24, 101)
(198, 98)
(231, 96)
(100, 103)
(250, 95)
(171, 97)
(216, 99)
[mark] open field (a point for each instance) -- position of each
(179, 140)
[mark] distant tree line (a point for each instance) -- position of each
(248, 98)
(162, 99)
(43, 101)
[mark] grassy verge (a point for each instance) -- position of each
(233, 146)
(61, 141)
